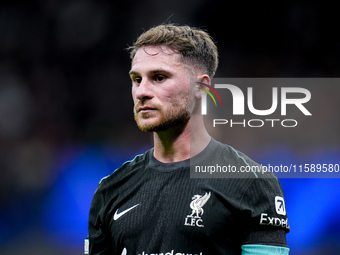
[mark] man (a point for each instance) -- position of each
(150, 205)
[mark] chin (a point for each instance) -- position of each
(150, 127)
(162, 123)
(158, 126)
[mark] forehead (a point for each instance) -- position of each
(156, 57)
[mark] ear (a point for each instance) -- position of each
(202, 80)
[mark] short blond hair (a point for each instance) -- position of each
(195, 45)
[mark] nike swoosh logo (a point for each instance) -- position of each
(117, 215)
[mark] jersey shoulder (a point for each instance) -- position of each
(127, 169)
(234, 155)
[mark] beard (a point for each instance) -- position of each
(176, 116)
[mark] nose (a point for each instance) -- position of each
(143, 90)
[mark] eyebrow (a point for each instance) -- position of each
(131, 73)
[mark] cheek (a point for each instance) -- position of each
(180, 100)
(133, 92)
(182, 92)
(177, 95)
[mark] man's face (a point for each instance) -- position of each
(160, 89)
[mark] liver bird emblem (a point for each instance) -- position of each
(197, 203)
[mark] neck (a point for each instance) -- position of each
(181, 142)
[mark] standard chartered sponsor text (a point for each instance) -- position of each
(172, 252)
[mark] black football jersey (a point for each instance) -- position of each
(148, 207)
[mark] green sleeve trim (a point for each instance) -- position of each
(259, 249)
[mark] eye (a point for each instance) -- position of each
(159, 77)
(136, 79)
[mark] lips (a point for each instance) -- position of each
(144, 109)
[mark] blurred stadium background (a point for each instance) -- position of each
(66, 111)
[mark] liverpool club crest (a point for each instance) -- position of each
(194, 219)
